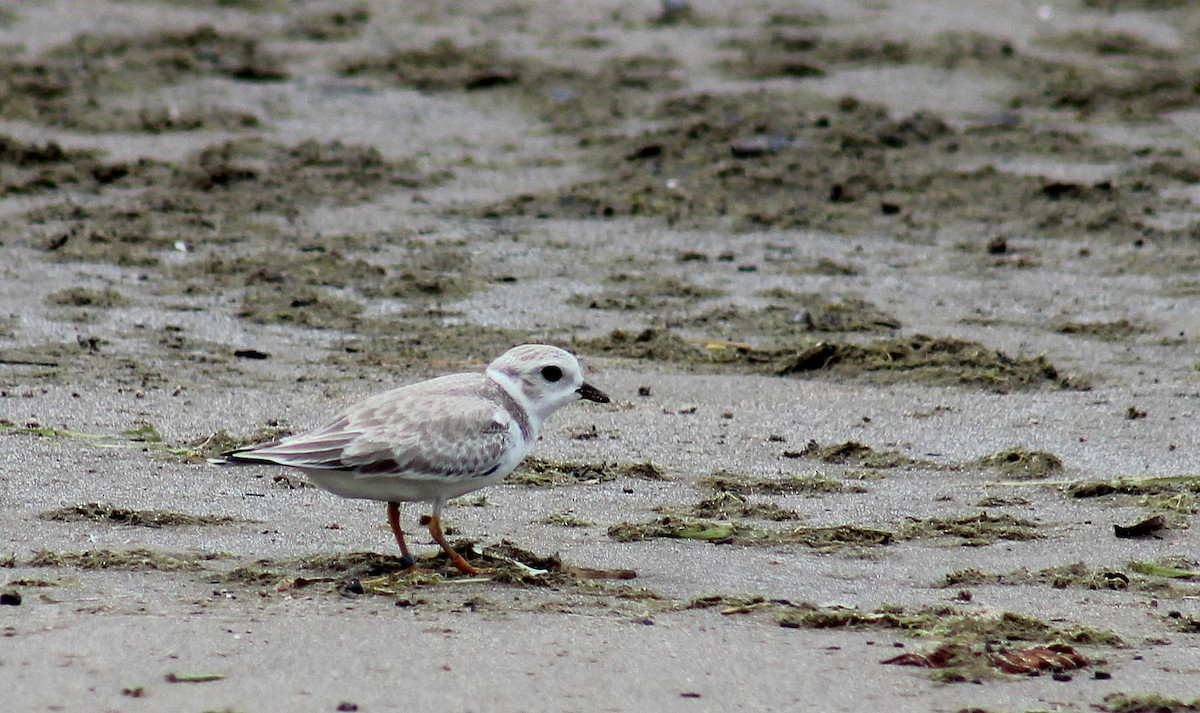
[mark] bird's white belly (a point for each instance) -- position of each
(398, 487)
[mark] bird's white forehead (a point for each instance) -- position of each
(526, 356)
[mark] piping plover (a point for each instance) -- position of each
(433, 440)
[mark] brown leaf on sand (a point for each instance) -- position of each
(938, 658)
(1055, 657)
(1145, 528)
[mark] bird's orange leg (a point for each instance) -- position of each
(435, 529)
(406, 559)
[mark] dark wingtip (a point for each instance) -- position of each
(591, 393)
(238, 456)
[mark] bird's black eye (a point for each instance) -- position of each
(551, 373)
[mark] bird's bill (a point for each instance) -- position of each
(591, 393)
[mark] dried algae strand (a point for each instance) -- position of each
(1135, 486)
(565, 519)
(1179, 567)
(1119, 330)
(645, 293)
(726, 505)
(199, 449)
(855, 454)
(725, 481)
(972, 530)
(537, 472)
(193, 677)
(1145, 703)
(1139, 577)
(109, 513)
(137, 559)
(736, 532)
(952, 624)
(87, 297)
(913, 359)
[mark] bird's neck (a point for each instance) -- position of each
(509, 386)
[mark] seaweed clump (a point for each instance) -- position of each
(725, 481)
(118, 515)
(1146, 703)
(822, 538)
(1023, 463)
(853, 453)
(1136, 576)
(537, 472)
(725, 505)
(973, 530)
(77, 85)
(919, 359)
(87, 297)
(137, 560)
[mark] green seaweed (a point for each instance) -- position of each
(1169, 568)
(143, 433)
(193, 677)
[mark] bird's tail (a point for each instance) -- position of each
(242, 456)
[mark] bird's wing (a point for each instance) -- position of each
(414, 434)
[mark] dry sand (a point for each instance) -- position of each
(877, 287)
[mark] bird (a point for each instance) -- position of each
(433, 440)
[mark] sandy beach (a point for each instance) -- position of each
(897, 304)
